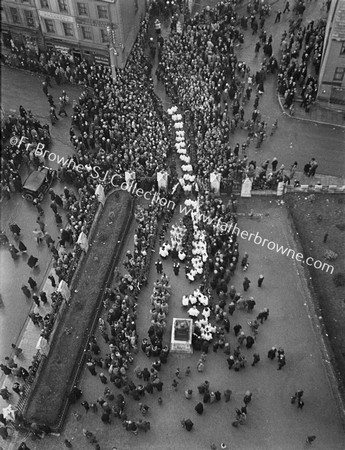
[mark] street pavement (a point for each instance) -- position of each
(273, 422)
(298, 138)
(22, 88)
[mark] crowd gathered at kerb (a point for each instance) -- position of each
(120, 125)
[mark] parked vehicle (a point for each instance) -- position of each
(38, 183)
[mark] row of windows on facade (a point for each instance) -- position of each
(82, 8)
(102, 11)
(69, 30)
(67, 27)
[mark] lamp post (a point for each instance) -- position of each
(112, 51)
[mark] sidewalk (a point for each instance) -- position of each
(28, 341)
(318, 113)
(319, 179)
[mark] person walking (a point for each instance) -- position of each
(313, 167)
(187, 424)
(52, 280)
(249, 342)
(300, 403)
(176, 268)
(38, 235)
(92, 367)
(260, 280)
(43, 297)
(32, 262)
(5, 369)
(26, 291)
(62, 106)
(45, 88)
(247, 397)
(281, 360)
(53, 116)
(13, 250)
(256, 359)
(159, 266)
(188, 394)
(272, 353)
(103, 378)
(58, 200)
(274, 164)
(22, 247)
(287, 7)
(15, 229)
(16, 350)
(53, 207)
(237, 329)
(158, 27)
(227, 395)
(48, 239)
(230, 361)
(58, 219)
(5, 393)
(246, 284)
(51, 100)
(257, 49)
(36, 299)
(86, 405)
(199, 408)
(32, 283)
(41, 224)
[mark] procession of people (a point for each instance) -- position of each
(120, 126)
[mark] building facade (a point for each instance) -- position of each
(332, 69)
(81, 27)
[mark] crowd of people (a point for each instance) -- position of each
(26, 130)
(295, 76)
(120, 126)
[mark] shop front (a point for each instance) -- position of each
(12, 35)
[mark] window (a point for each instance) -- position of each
(29, 18)
(68, 29)
(87, 33)
(44, 4)
(104, 36)
(339, 74)
(82, 9)
(342, 50)
(63, 5)
(49, 25)
(102, 12)
(14, 15)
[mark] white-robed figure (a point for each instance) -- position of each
(191, 275)
(193, 311)
(200, 323)
(177, 233)
(206, 335)
(206, 312)
(181, 255)
(185, 300)
(164, 250)
(198, 265)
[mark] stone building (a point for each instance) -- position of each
(81, 27)
(332, 70)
